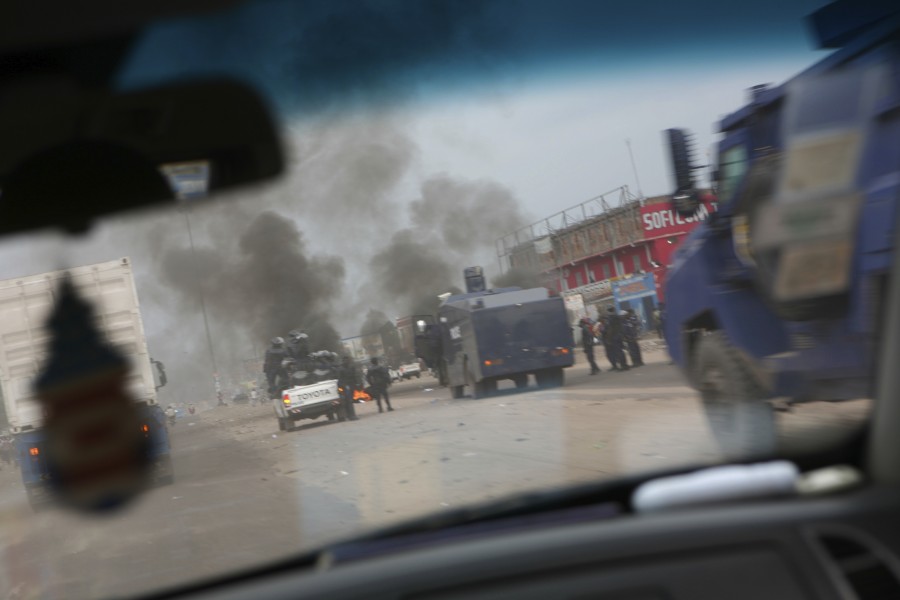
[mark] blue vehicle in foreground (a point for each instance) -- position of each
(778, 297)
(485, 336)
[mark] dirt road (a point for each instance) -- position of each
(246, 493)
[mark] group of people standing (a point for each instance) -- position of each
(294, 355)
(618, 331)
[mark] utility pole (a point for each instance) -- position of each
(209, 344)
(190, 181)
(634, 169)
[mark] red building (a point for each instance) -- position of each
(587, 248)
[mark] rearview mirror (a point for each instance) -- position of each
(87, 154)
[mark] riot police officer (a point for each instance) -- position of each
(379, 379)
(631, 332)
(613, 340)
(587, 343)
(298, 345)
(275, 355)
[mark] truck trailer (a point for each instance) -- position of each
(25, 303)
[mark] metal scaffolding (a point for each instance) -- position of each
(525, 247)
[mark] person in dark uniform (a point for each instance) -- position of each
(632, 330)
(613, 340)
(379, 379)
(587, 343)
(275, 354)
(298, 345)
(349, 381)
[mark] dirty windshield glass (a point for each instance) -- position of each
(459, 290)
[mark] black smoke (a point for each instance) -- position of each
(518, 277)
(378, 323)
(467, 217)
(455, 224)
(270, 285)
(411, 271)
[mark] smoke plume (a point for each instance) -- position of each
(518, 277)
(454, 224)
(272, 286)
(349, 228)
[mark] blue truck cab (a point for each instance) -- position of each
(779, 294)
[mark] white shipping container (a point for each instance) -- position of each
(25, 304)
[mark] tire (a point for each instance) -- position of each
(560, 377)
(480, 389)
(741, 421)
(521, 381)
(457, 391)
(37, 502)
(282, 424)
(550, 378)
(418, 375)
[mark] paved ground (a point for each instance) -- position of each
(246, 493)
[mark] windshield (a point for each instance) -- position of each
(732, 167)
(332, 364)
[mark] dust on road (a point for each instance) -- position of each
(246, 493)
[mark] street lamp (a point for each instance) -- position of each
(190, 181)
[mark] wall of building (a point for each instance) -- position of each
(640, 237)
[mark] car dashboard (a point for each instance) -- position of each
(837, 547)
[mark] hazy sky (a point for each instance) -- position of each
(538, 96)
(557, 143)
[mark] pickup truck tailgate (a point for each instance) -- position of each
(316, 393)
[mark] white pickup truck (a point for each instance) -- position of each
(308, 402)
(410, 370)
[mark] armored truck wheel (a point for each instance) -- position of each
(550, 378)
(741, 420)
(456, 391)
(521, 382)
